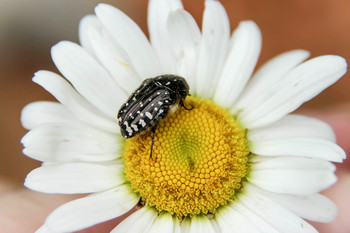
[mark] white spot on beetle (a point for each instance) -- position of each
(128, 129)
(167, 83)
(134, 127)
(160, 102)
(158, 93)
(149, 115)
(142, 122)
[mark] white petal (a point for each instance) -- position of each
(88, 77)
(293, 126)
(131, 38)
(290, 175)
(214, 225)
(213, 47)
(186, 225)
(86, 24)
(274, 214)
(231, 221)
(44, 112)
(185, 37)
(254, 219)
(70, 142)
(177, 225)
(268, 74)
(315, 207)
(75, 177)
(163, 223)
(299, 146)
(138, 222)
(158, 11)
(43, 229)
(115, 60)
(240, 63)
(300, 85)
(201, 224)
(104, 47)
(93, 209)
(81, 108)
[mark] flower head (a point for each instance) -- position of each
(236, 160)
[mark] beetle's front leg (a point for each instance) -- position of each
(153, 130)
(183, 105)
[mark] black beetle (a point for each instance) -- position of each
(150, 103)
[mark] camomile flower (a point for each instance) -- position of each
(237, 161)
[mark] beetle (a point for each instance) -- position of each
(150, 103)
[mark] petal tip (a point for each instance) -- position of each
(103, 8)
(249, 23)
(252, 28)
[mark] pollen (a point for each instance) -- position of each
(198, 163)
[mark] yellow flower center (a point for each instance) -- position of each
(199, 159)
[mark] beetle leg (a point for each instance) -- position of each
(183, 105)
(153, 130)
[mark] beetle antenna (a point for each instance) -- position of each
(153, 130)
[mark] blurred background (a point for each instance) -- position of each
(29, 28)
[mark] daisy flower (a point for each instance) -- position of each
(237, 162)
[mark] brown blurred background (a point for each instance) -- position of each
(29, 28)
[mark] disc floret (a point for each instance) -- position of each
(199, 160)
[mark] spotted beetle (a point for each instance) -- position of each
(150, 103)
